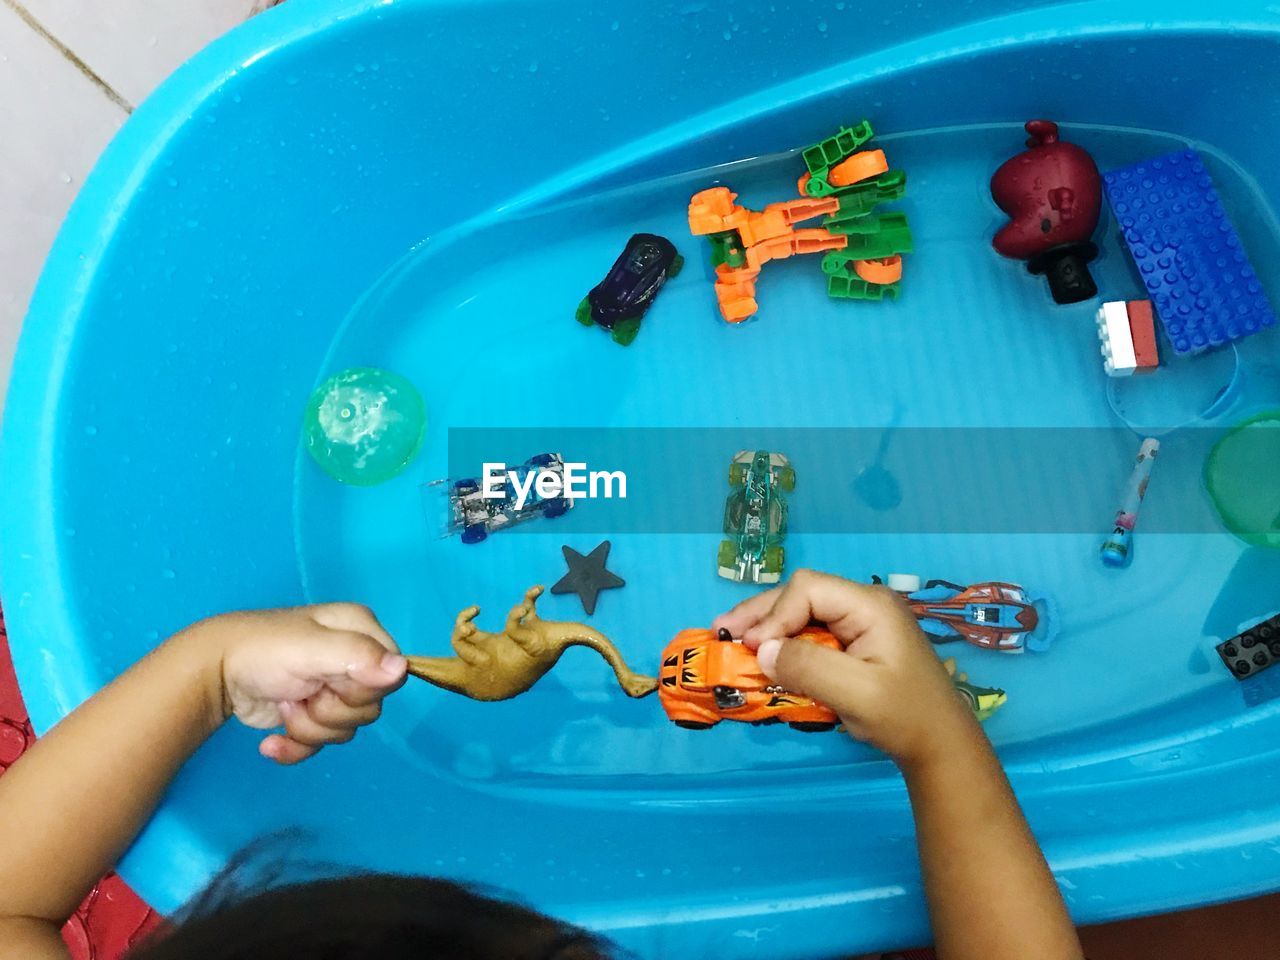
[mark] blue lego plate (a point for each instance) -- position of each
(1189, 256)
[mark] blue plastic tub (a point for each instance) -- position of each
(260, 223)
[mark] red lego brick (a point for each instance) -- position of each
(112, 918)
(1142, 327)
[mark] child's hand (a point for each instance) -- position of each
(888, 686)
(319, 671)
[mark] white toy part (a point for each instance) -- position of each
(903, 582)
(776, 460)
(1118, 356)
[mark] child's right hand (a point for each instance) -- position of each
(321, 672)
(888, 686)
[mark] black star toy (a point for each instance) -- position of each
(587, 576)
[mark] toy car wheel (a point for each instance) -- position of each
(676, 266)
(474, 533)
(694, 724)
(583, 314)
(774, 558)
(556, 508)
(937, 639)
(811, 726)
(737, 474)
(624, 331)
(787, 478)
(727, 555)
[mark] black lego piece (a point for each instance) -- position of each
(1252, 650)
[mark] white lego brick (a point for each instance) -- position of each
(1118, 355)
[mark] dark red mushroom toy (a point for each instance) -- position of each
(1052, 193)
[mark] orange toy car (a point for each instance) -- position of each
(708, 677)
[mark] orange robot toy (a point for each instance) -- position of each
(843, 184)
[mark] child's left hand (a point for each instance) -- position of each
(321, 672)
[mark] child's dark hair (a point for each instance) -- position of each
(372, 917)
(250, 912)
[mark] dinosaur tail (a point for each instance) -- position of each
(566, 634)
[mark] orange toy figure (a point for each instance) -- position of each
(748, 239)
(862, 251)
(707, 677)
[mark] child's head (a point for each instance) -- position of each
(371, 916)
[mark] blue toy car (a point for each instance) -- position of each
(476, 516)
(622, 298)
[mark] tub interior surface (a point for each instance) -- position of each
(974, 341)
(283, 210)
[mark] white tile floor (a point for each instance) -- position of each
(70, 73)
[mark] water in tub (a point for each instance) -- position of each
(481, 320)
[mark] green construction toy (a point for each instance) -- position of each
(822, 156)
(858, 200)
(845, 185)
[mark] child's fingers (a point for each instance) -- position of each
(329, 710)
(356, 694)
(335, 654)
(285, 751)
(846, 607)
(840, 681)
(747, 613)
(304, 729)
(353, 618)
(324, 719)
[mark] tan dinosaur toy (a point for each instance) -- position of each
(499, 666)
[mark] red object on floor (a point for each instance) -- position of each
(1142, 327)
(112, 918)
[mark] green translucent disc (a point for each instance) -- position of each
(1242, 475)
(364, 425)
